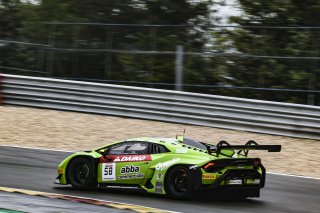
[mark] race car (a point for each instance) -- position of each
(177, 167)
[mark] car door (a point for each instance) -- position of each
(126, 163)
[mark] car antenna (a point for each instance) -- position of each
(184, 130)
(185, 127)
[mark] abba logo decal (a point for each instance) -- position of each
(130, 158)
(130, 172)
(129, 169)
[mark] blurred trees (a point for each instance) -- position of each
(10, 24)
(84, 51)
(261, 39)
(107, 65)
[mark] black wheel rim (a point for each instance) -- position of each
(181, 181)
(81, 172)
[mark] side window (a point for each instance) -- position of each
(157, 149)
(129, 148)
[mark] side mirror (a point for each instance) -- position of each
(103, 152)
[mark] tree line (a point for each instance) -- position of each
(271, 53)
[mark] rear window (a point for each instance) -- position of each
(194, 143)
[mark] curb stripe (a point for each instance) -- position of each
(92, 201)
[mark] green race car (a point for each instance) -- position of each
(175, 167)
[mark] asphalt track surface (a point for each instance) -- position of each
(28, 203)
(36, 170)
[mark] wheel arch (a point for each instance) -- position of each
(170, 169)
(94, 162)
(194, 171)
(167, 187)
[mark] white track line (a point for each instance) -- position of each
(299, 176)
(56, 150)
(44, 149)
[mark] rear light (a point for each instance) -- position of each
(257, 162)
(208, 165)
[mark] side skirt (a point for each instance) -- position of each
(136, 188)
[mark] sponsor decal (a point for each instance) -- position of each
(130, 169)
(193, 167)
(253, 181)
(158, 187)
(132, 158)
(235, 182)
(164, 165)
(119, 187)
(159, 176)
(133, 176)
(125, 158)
(181, 151)
(108, 171)
(208, 177)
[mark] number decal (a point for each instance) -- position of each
(108, 171)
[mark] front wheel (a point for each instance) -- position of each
(178, 183)
(81, 174)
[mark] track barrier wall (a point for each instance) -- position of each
(276, 118)
(1, 88)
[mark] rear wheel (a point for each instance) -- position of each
(81, 174)
(178, 183)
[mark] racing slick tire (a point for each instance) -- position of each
(81, 174)
(178, 183)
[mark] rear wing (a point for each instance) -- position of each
(242, 149)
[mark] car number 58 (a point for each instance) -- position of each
(108, 171)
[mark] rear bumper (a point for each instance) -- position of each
(242, 190)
